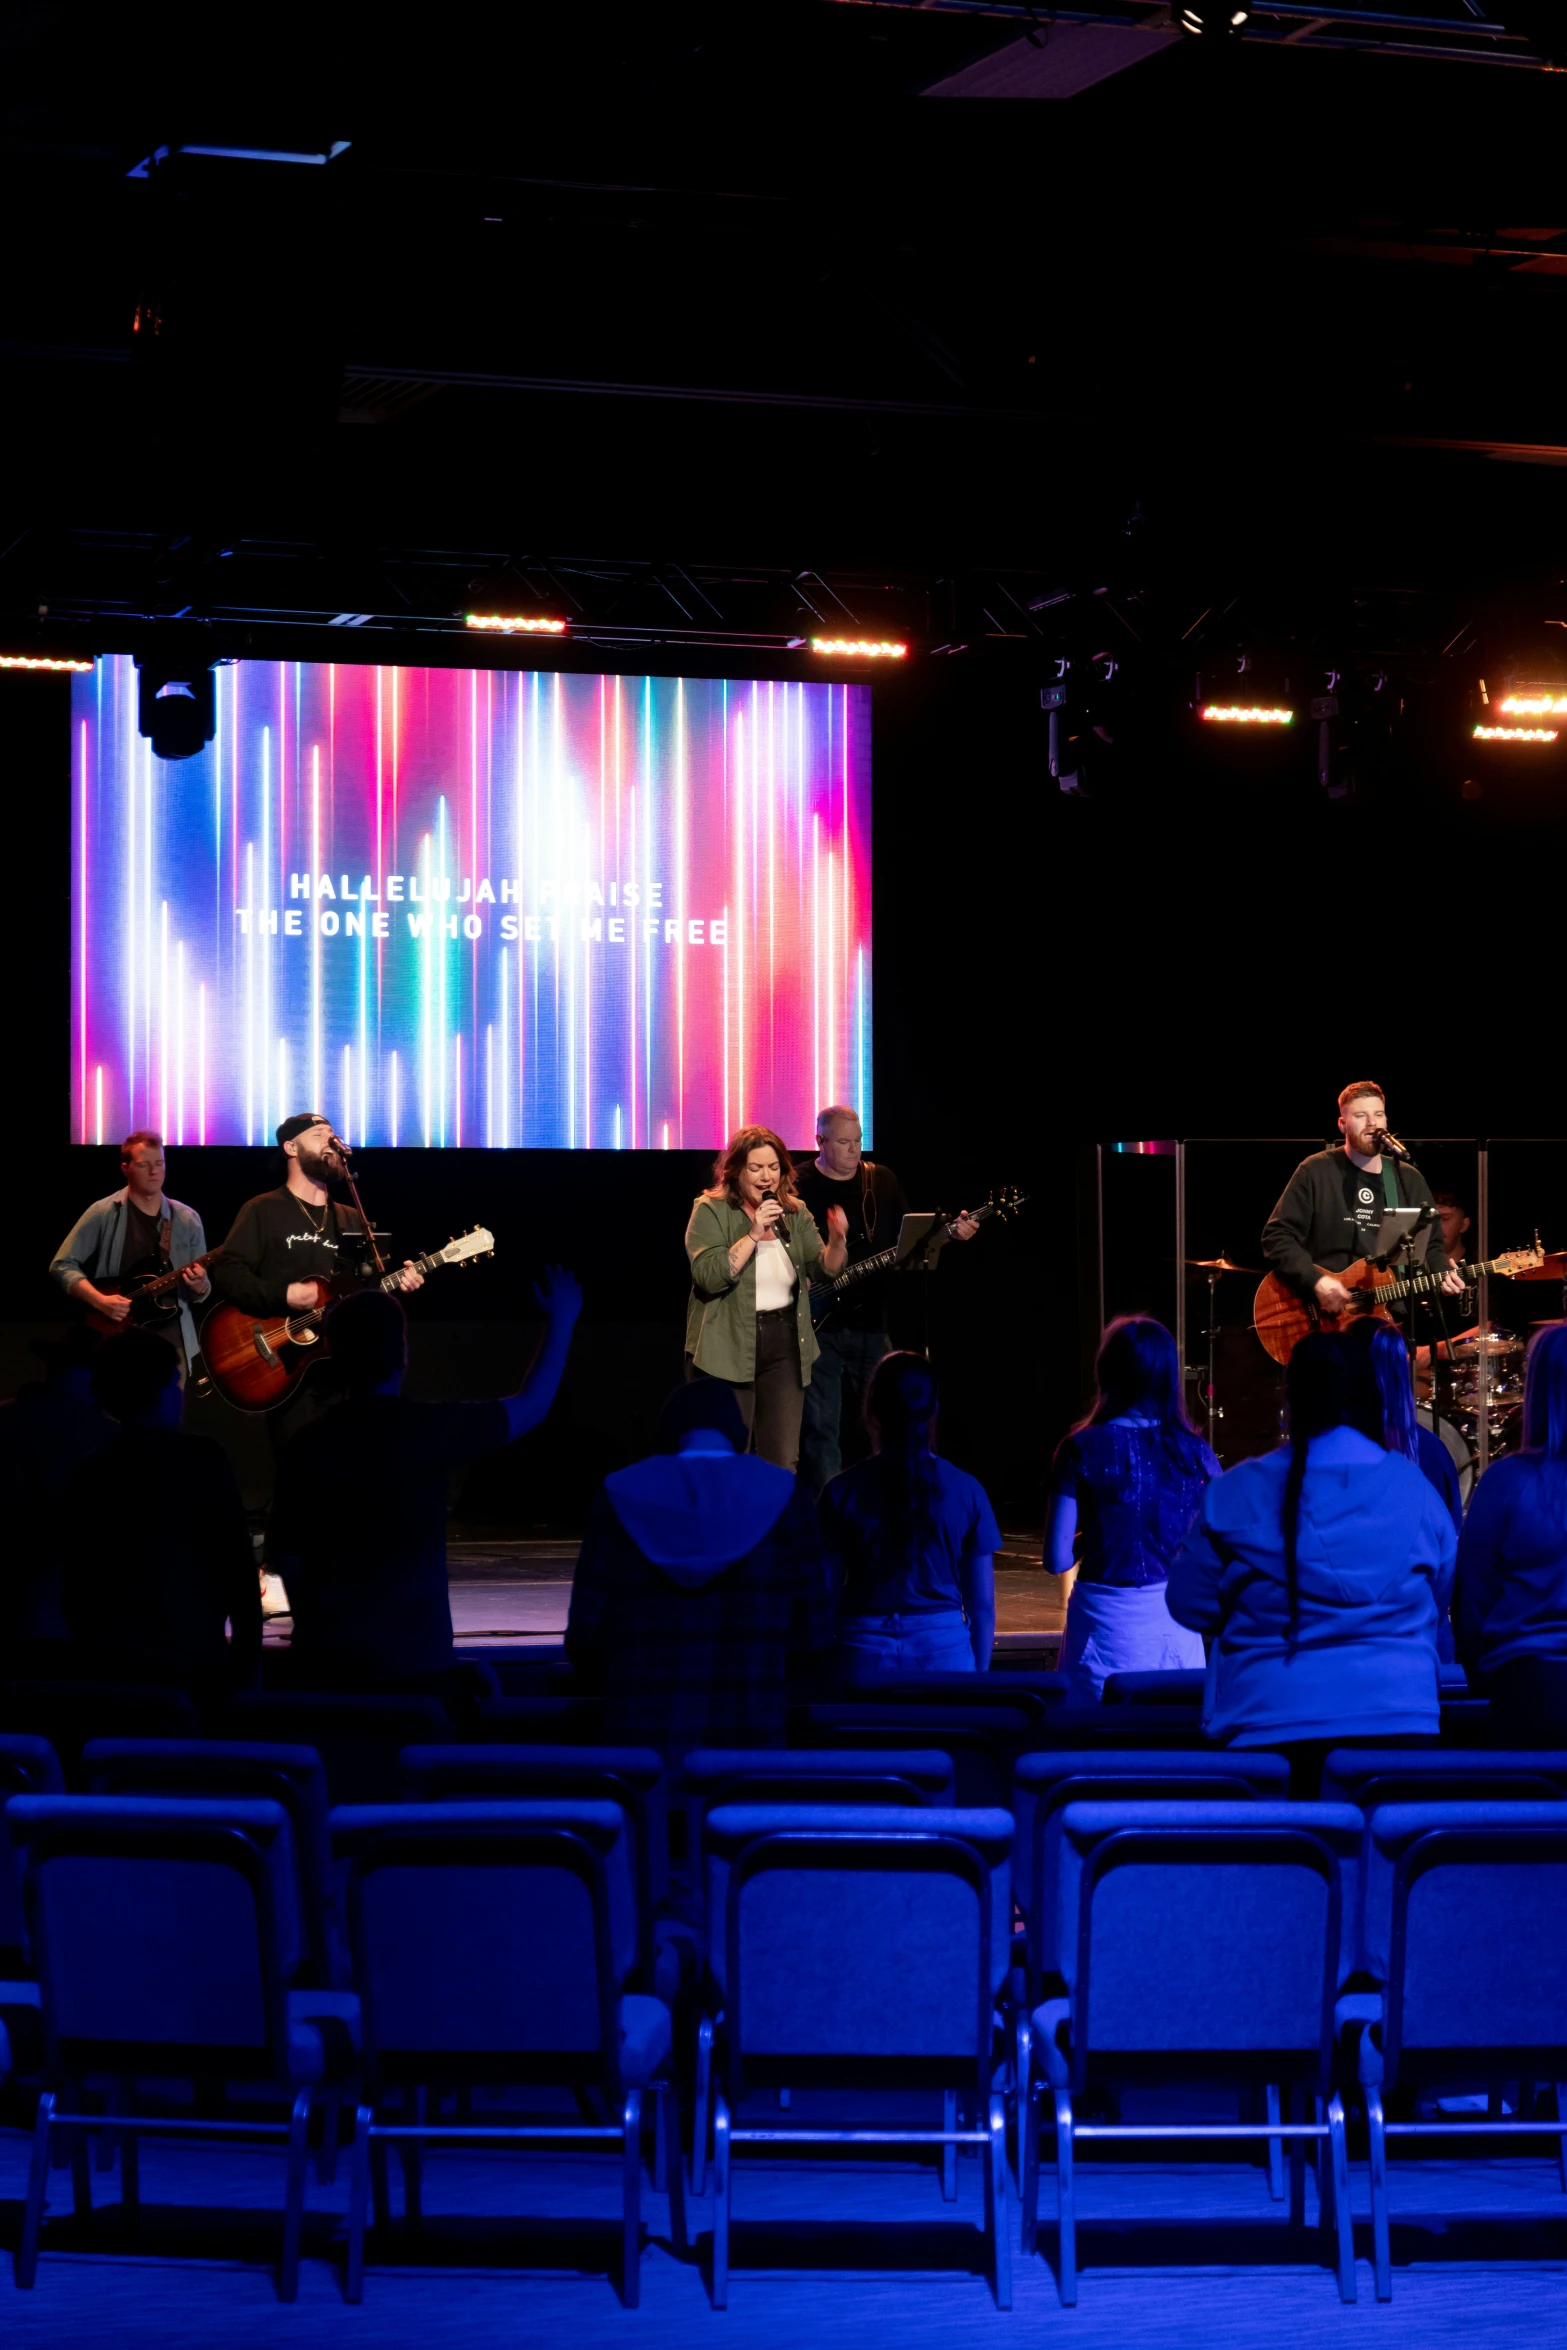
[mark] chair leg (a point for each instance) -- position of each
(1294, 2110)
(996, 2205)
(1336, 2167)
(949, 2153)
(660, 2142)
(1376, 2139)
(411, 2153)
(722, 2153)
(294, 2197)
(358, 2195)
(1066, 2201)
(1028, 2163)
(1275, 2145)
(26, 2270)
(331, 2106)
(701, 2116)
(631, 2208)
(673, 2166)
(81, 2175)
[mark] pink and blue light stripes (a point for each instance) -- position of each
(472, 907)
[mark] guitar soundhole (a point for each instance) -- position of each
(303, 1337)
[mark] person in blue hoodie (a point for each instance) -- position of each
(1511, 1611)
(1319, 1574)
(699, 1587)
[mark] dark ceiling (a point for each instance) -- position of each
(706, 325)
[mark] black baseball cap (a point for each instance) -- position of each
(300, 1123)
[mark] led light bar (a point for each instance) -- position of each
(864, 648)
(45, 661)
(1534, 702)
(1244, 714)
(1515, 734)
(511, 624)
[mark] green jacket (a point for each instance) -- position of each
(721, 1318)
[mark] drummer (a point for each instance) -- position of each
(1460, 1315)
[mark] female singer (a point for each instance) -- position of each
(749, 1241)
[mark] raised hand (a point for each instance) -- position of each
(559, 1292)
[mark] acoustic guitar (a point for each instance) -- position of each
(826, 1297)
(152, 1295)
(255, 1364)
(1282, 1318)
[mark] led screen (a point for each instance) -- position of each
(466, 907)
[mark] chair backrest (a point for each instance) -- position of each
(68, 1713)
(846, 1939)
(903, 1777)
(1043, 1783)
(1465, 1721)
(164, 1932)
(290, 1775)
(534, 1671)
(28, 1766)
(1205, 1937)
(632, 1776)
(1371, 1775)
(1122, 1726)
(360, 1738)
(1181, 1687)
(490, 1940)
(983, 1741)
(1028, 1690)
(1463, 1915)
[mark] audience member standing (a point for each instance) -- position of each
(158, 1557)
(699, 1588)
(910, 1541)
(1320, 1571)
(1510, 1614)
(358, 1529)
(1129, 1478)
(1392, 1416)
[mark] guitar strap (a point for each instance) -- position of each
(163, 1243)
(1390, 1196)
(868, 1197)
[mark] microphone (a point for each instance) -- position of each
(780, 1231)
(1391, 1144)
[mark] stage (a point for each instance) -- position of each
(516, 1594)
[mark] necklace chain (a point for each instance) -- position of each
(326, 1207)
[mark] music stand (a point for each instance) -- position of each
(915, 1233)
(1400, 1227)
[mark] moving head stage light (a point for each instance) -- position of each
(174, 708)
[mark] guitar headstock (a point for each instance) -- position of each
(1005, 1203)
(1513, 1261)
(462, 1251)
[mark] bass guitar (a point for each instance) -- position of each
(153, 1296)
(255, 1364)
(827, 1296)
(1282, 1319)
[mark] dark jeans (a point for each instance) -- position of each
(770, 1403)
(850, 1355)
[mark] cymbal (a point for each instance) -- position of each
(1219, 1265)
(1553, 1269)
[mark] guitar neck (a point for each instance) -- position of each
(879, 1263)
(317, 1314)
(1422, 1284)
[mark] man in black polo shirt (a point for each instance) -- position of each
(855, 1339)
(1332, 1207)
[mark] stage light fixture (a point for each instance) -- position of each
(1533, 701)
(1244, 714)
(517, 624)
(1515, 734)
(175, 708)
(64, 661)
(860, 648)
(1213, 19)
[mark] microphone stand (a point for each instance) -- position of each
(353, 1193)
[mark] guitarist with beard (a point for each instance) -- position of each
(1333, 1204)
(854, 1341)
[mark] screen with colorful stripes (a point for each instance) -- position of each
(452, 907)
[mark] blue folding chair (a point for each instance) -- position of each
(632, 1776)
(1464, 1907)
(983, 1741)
(808, 1904)
(68, 1713)
(359, 1737)
(1201, 1941)
(1122, 1725)
(992, 1688)
(1370, 1775)
(1179, 1687)
(493, 1944)
(711, 1775)
(167, 1941)
(28, 1766)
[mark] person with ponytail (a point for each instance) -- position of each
(1319, 1573)
(1127, 1480)
(1392, 1415)
(910, 1541)
(1510, 1615)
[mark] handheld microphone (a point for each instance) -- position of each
(780, 1231)
(1390, 1143)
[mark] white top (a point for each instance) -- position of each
(775, 1276)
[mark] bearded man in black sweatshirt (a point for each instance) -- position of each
(1332, 1207)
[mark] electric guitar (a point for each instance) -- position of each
(151, 1294)
(1281, 1318)
(255, 1364)
(826, 1297)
